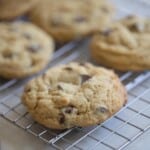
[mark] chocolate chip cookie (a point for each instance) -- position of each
(24, 49)
(71, 19)
(125, 45)
(74, 95)
(10, 9)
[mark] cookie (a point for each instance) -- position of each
(10, 9)
(137, 24)
(74, 95)
(124, 46)
(71, 19)
(24, 49)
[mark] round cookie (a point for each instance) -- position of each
(10, 9)
(124, 46)
(136, 24)
(24, 49)
(71, 19)
(74, 95)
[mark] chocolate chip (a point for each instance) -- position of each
(27, 35)
(55, 23)
(103, 109)
(107, 32)
(84, 78)
(62, 119)
(59, 87)
(68, 68)
(80, 19)
(130, 17)
(27, 89)
(68, 109)
(34, 48)
(104, 9)
(8, 55)
(33, 63)
(82, 64)
(137, 27)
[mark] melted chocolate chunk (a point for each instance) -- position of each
(69, 110)
(104, 9)
(84, 78)
(137, 27)
(28, 90)
(27, 35)
(130, 17)
(59, 87)
(62, 119)
(34, 48)
(82, 64)
(8, 55)
(103, 109)
(68, 68)
(80, 19)
(107, 32)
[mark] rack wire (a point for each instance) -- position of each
(114, 134)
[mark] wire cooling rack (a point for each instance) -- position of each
(114, 134)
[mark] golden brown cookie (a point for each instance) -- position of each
(74, 95)
(124, 46)
(70, 19)
(24, 49)
(10, 9)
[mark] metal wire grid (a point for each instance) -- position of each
(115, 133)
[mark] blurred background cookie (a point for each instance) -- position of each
(24, 49)
(70, 19)
(10, 9)
(124, 46)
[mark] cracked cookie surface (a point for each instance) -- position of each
(24, 49)
(10, 9)
(71, 19)
(74, 95)
(124, 46)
